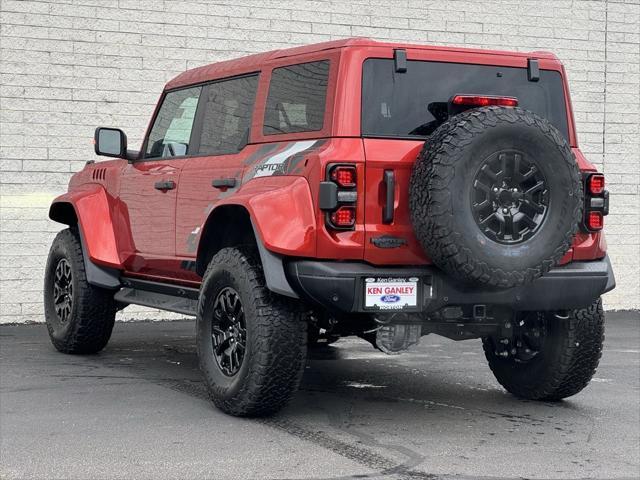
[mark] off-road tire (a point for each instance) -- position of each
(570, 354)
(276, 338)
(440, 189)
(89, 326)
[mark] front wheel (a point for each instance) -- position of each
(79, 315)
(548, 355)
(252, 343)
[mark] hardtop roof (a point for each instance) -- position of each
(253, 62)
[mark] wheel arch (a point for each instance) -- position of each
(63, 212)
(99, 248)
(240, 230)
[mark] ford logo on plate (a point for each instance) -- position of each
(390, 298)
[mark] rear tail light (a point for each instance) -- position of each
(344, 217)
(596, 184)
(595, 221)
(596, 202)
(344, 176)
(484, 101)
(338, 196)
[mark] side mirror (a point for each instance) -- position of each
(110, 142)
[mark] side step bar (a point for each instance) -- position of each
(173, 298)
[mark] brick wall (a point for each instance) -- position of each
(68, 66)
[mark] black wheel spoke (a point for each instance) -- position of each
(482, 186)
(508, 227)
(487, 219)
(489, 173)
(482, 205)
(537, 187)
(533, 205)
(529, 173)
(509, 206)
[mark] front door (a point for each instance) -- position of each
(149, 185)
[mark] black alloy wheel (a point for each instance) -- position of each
(510, 197)
(228, 331)
(63, 290)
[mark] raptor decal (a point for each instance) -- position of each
(280, 159)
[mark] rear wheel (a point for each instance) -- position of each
(79, 316)
(251, 343)
(548, 355)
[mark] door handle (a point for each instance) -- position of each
(390, 184)
(165, 185)
(224, 183)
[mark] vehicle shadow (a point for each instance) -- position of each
(395, 416)
(383, 412)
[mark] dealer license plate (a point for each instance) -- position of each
(391, 293)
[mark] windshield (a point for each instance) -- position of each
(414, 103)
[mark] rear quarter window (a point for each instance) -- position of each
(414, 103)
(226, 119)
(297, 98)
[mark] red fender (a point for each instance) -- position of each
(91, 204)
(282, 212)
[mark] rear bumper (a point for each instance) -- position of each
(339, 286)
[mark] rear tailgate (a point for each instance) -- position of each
(391, 242)
(401, 108)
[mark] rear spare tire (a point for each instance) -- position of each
(495, 196)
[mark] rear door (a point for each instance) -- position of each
(149, 186)
(223, 129)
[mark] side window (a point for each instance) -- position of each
(171, 131)
(226, 121)
(297, 98)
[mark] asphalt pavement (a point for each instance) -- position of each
(139, 410)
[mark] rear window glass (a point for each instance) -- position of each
(297, 98)
(414, 103)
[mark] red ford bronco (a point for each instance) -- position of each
(352, 187)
